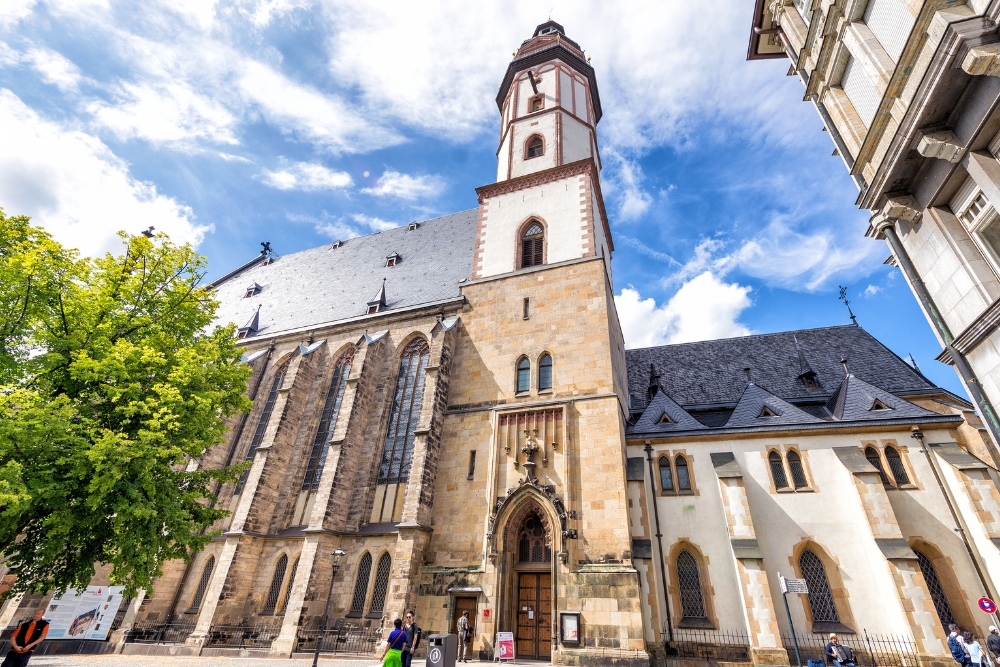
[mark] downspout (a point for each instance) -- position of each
(888, 228)
(659, 540)
(233, 443)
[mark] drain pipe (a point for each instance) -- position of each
(659, 540)
(887, 227)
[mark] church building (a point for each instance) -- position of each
(446, 420)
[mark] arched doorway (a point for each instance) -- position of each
(532, 546)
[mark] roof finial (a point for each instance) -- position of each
(843, 362)
(913, 362)
(843, 297)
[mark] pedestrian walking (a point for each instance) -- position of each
(976, 652)
(956, 644)
(26, 637)
(993, 643)
(412, 638)
(394, 645)
(464, 637)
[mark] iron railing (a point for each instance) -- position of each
(717, 645)
(154, 632)
(345, 638)
(243, 635)
(870, 650)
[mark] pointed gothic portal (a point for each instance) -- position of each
(532, 569)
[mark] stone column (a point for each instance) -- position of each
(758, 604)
(118, 636)
(284, 644)
(212, 595)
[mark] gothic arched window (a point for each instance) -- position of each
(683, 479)
(873, 457)
(361, 584)
(327, 422)
(689, 586)
(531, 245)
(288, 588)
(406, 401)
(896, 466)
(798, 472)
(777, 470)
(381, 584)
(666, 478)
(276, 581)
(535, 148)
(532, 546)
(941, 604)
(265, 417)
(523, 375)
(820, 596)
(206, 578)
(545, 372)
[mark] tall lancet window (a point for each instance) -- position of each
(328, 421)
(531, 245)
(265, 417)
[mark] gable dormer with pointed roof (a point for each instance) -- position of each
(857, 400)
(759, 407)
(664, 415)
(378, 304)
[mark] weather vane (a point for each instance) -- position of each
(843, 297)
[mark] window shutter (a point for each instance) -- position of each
(891, 22)
(860, 91)
(536, 258)
(526, 252)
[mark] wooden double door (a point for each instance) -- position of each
(534, 615)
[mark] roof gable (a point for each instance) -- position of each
(857, 400)
(759, 407)
(652, 420)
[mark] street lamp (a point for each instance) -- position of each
(337, 555)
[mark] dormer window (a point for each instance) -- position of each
(336, 244)
(809, 380)
(664, 419)
(372, 309)
(412, 226)
(392, 259)
(535, 148)
(252, 289)
(879, 405)
(767, 412)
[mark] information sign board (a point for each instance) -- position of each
(793, 585)
(84, 614)
(505, 646)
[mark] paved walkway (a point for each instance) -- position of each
(190, 661)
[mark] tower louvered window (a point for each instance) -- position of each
(531, 246)
(536, 147)
(666, 478)
(941, 604)
(798, 472)
(777, 470)
(873, 457)
(406, 401)
(820, 597)
(265, 417)
(276, 581)
(361, 584)
(206, 578)
(689, 584)
(288, 588)
(381, 584)
(328, 421)
(896, 466)
(683, 480)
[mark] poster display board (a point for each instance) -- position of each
(505, 646)
(84, 614)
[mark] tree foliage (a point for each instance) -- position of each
(112, 379)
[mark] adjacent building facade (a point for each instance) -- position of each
(909, 92)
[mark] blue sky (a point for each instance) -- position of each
(302, 121)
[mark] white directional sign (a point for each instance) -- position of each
(793, 585)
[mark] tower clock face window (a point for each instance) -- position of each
(535, 148)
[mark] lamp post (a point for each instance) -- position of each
(337, 555)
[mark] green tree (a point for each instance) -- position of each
(112, 379)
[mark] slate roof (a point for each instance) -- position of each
(711, 372)
(752, 403)
(327, 284)
(855, 399)
(661, 405)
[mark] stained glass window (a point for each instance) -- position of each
(873, 457)
(689, 583)
(531, 544)
(683, 480)
(896, 466)
(206, 578)
(288, 588)
(265, 417)
(777, 470)
(798, 472)
(276, 581)
(666, 478)
(820, 597)
(381, 584)
(936, 590)
(361, 585)
(327, 422)
(398, 450)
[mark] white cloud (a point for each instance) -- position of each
(373, 223)
(8, 56)
(54, 68)
(340, 229)
(308, 176)
(871, 291)
(263, 12)
(403, 186)
(624, 183)
(74, 186)
(12, 11)
(704, 308)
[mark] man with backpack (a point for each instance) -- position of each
(26, 637)
(956, 644)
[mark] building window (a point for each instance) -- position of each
(288, 588)
(327, 422)
(873, 457)
(666, 478)
(381, 585)
(361, 584)
(860, 91)
(896, 466)
(820, 597)
(798, 472)
(683, 480)
(265, 417)
(689, 587)
(535, 148)
(206, 578)
(276, 581)
(804, 7)
(891, 22)
(392, 260)
(523, 375)
(536, 103)
(531, 245)
(941, 604)
(979, 217)
(777, 470)
(545, 372)
(472, 464)
(398, 449)
(532, 546)
(252, 289)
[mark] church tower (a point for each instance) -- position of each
(546, 206)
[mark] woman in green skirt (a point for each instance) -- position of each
(396, 640)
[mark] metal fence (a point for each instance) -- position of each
(154, 632)
(243, 635)
(345, 638)
(870, 650)
(717, 645)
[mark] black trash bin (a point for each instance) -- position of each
(442, 650)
